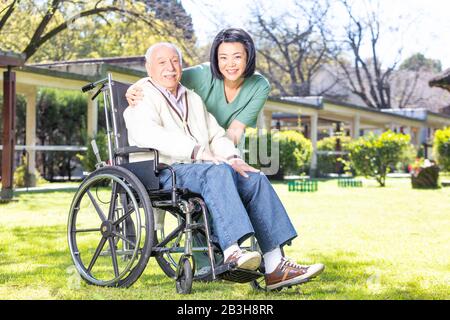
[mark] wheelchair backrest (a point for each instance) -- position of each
(118, 90)
(118, 103)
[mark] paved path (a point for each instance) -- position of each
(47, 188)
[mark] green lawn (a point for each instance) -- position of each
(376, 243)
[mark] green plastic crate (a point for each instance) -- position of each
(349, 183)
(305, 185)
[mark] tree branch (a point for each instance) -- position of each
(9, 10)
(38, 39)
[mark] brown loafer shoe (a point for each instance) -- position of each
(248, 260)
(289, 273)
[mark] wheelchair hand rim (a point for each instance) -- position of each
(78, 264)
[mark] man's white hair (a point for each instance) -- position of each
(152, 48)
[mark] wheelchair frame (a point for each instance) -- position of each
(135, 187)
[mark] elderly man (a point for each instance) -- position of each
(240, 199)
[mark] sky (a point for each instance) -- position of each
(424, 25)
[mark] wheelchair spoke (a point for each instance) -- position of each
(112, 203)
(87, 230)
(122, 218)
(112, 246)
(96, 206)
(97, 253)
(125, 239)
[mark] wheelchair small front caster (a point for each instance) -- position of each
(184, 277)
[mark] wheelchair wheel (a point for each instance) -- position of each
(110, 228)
(184, 277)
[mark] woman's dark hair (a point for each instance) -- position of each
(233, 35)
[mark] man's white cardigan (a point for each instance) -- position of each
(155, 123)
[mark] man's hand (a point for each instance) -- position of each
(205, 155)
(134, 95)
(241, 167)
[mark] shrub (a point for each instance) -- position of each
(375, 155)
(327, 163)
(294, 150)
(22, 178)
(441, 148)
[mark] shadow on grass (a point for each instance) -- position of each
(40, 254)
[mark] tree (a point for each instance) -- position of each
(292, 47)
(28, 26)
(367, 78)
(418, 62)
(95, 39)
(167, 9)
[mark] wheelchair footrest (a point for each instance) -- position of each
(240, 275)
(229, 272)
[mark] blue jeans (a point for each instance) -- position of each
(239, 206)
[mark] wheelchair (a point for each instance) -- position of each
(120, 217)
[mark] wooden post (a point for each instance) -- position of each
(9, 133)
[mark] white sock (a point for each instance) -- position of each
(229, 251)
(272, 259)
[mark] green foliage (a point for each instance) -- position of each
(408, 156)
(294, 150)
(89, 160)
(23, 179)
(375, 155)
(68, 30)
(441, 148)
(418, 62)
(327, 163)
(61, 120)
(61, 117)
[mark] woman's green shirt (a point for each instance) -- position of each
(246, 105)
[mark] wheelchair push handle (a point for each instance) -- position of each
(92, 85)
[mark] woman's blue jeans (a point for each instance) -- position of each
(239, 206)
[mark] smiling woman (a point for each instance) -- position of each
(231, 89)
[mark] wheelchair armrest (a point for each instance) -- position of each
(157, 166)
(163, 166)
(132, 149)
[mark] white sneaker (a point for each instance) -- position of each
(249, 260)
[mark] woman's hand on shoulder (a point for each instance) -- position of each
(134, 95)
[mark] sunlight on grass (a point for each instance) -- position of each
(376, 243)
